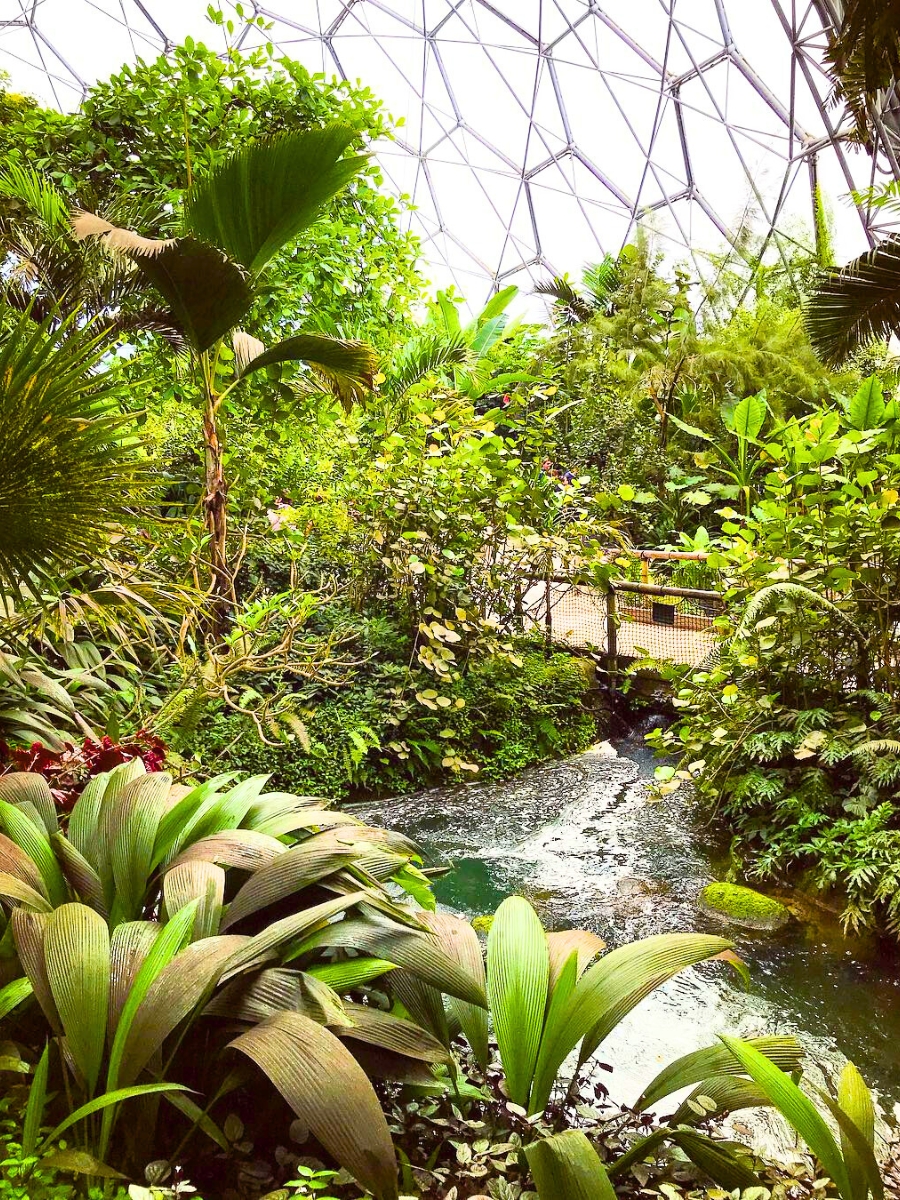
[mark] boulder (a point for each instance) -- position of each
(743, 906)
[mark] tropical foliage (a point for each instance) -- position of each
(275, 525)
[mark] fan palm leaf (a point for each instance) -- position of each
(856, 304)
(261, 198)
(69, 470)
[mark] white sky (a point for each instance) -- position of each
(535, 131)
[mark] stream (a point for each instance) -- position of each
(586, 841)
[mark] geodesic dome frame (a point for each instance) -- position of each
(537, 133)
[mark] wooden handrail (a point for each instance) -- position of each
(656, 589)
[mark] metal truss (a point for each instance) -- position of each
(537, 133)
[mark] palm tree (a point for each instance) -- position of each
(209, 274)
(46, 270)
(595, 297)
(856, 304)
(865, 53)
(68, 467)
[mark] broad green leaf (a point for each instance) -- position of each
(785, 1052)
(748, 417)
(277, 933)
(518, 971)
(14, 889)
(129, 946)
(329, 1092)
(489, 334)
(567, 1167)
(14, 861)
(27, 786)
(561, 945)
(258, 995)
(79, 1162)
(176, 829)
(424, 1003)
(29, 930)
(196, 1115)
(498, 303)
(375, 1028)
(81, 876)
(34, 840)
(179, 990)
(728, 1092)
(263, 196)
(246, 849)
(722, 1164)
(83, 827)
(350, 973)
(134, 828)
(857, 1128)
(76, 948)
(12, 995)
(289, 873)
(461, 943)
(867, 408)
(166, 945)
(609, 990)
(200, 881)
(414, 949)
(797, 1109)
(34, 1109)
(104, 837)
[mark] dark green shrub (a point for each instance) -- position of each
(387, 734)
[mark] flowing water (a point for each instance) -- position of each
(588, 844)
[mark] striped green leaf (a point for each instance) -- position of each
(518, 972)
(567, 1167)
(76, 948)
(796, 1108)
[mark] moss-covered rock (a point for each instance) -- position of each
(743, 906)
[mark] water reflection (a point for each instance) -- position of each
(587, 844)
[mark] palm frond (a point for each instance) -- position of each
(346, 367)
(602, 281)
(425, 354)
(572, 309)
(266, 194)
(34, 193)
(69, 467)
(865, 52)
(857, 304)
(150, 319)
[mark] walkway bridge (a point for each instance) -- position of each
(628, 620)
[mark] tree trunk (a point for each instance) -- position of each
(215, 510)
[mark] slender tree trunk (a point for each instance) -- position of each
(216, 514)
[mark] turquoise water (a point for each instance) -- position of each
(585, 841)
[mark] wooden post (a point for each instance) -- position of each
(612, 633)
